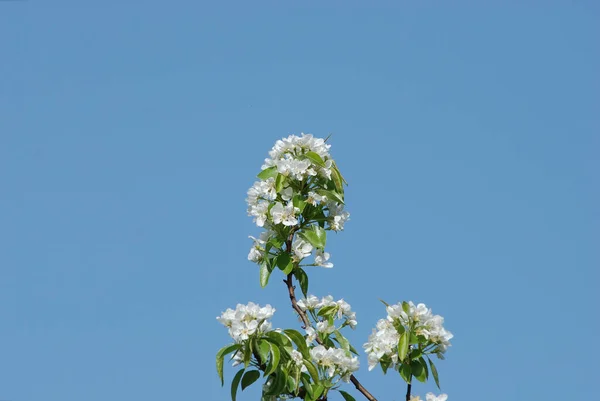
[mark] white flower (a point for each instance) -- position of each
(310, 302)
(326, 301)
(337, 216)
(325, 328)
(240, 331)
(311, 335)
(301, 248)
(432, 397)
(247, 320)
(287, 194)
(383, 341)
(257, 250)
(297, 358)
(321, 259)
(314, 197)
(259, 212)
(285, 215)
(335, 361)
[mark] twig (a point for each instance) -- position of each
(291, 291)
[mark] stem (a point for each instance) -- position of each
(289, 281)
(408, 392)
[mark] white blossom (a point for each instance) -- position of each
(301, 248)
(321, 259)
(314, 198)
(325, 328)
(310, 302)
(335, 361)
(258, 246)
(311, 335)
(284, 214)
(418, 319)
(247, 320)
(337, 216)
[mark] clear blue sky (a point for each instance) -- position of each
(130, 131)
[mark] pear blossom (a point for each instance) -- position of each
(334, 361)
(247, 320)
(301, 248)
(337, 216)
(310, 302)
(311, 335)
(284, 214)
(321, 259)
(415, 318)
(258, 246)
(314, 198)
(325, 328)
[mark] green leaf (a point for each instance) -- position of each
(299, 202)
(337, 180)
(278, 385)
(398, 326)
(221, 355)
(291, 384)
(403, 346)
(274, 361)
(235, 383)
(312, 370)
(315, 158)
(434, 372)
(279, 182)
(385, 364)
(265, 272)
(308, 387)
(344, 343)
(284, 262)
(268, 173)
(418, 371)
(316, 235)
(331, 195)
(424, 367)
(318, 390)
(347, 396)
(415, 353)
(299, 340)
(326, 311)
(277, 338)
(338, 171)
(250, 377)
(247, 356)
(405, 307)
(405, 372)
(302, 279)
(263, 350)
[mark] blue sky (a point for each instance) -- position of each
(130, 131)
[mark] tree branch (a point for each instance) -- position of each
(292, 294)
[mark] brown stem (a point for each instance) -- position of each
(291, 291)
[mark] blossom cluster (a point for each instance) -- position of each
(299, 174)
(247, 320)
(335, 361)
(423, 323)
(418, 320)
(337, 309)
